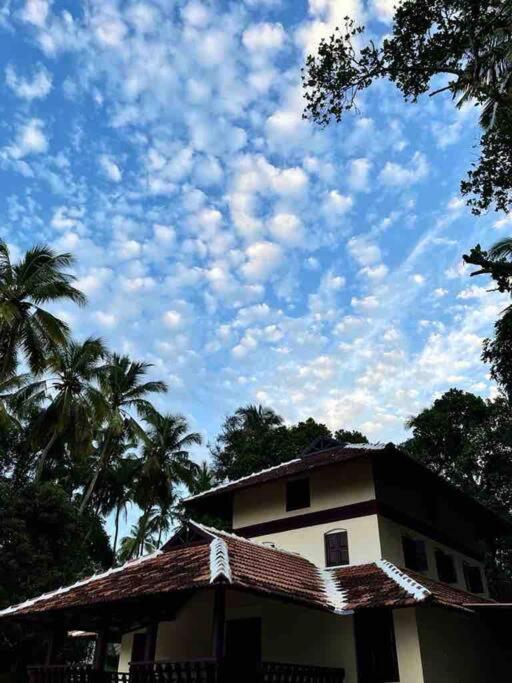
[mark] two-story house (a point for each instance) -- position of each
(350, 563)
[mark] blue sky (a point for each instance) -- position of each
(249, 255)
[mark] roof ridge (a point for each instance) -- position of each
(336, 596)
(405, 581)
(219, 561)
(81, 582)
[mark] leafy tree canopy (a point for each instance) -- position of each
(463, 44)
(255, 437)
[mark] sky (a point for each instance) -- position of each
(251, 256)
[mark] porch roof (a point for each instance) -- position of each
(218, 557)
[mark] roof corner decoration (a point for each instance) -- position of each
(219, 561)
(415, 589)
(336, 597)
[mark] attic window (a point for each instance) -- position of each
(473, 577)
(415, 554)
(297, 494)
(445, 567)
(336, 548)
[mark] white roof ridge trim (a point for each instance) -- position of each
(80, 582)
(211, 531)
(336, 597)
(219, 561)
(412, 587)
(362, 446)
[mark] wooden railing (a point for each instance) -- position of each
(200, 671)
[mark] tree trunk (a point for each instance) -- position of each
(42, 457)
(92, 485)
(116, 533)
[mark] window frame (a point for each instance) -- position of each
(291, 506)
(441, 556)
(415, 543)
(344, 547)
(468, 579)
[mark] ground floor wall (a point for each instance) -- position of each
(290, 633)
(458, 646)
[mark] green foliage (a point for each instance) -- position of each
(468, 441)
(255, 437)
(467, 44)
(350, 436)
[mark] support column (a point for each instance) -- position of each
(100, 651)
(151, 636)
(219, 629)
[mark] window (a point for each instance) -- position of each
(445, 567)
(415, 554)
(473, 577)
(376, 646)
(139, 647)
(336, 548)
(297, 494)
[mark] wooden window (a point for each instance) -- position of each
(473, 577)
(297, 494)
(415, 554)
(139, 647)
(376, 646)
(445, 567)
(336, 548)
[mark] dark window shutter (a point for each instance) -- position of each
(297, 494)
(138, 647)
(376, 646)
(415, 554)
(445, 567)
(336, 548)
(473, 577)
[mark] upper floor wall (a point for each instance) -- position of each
(330, 487)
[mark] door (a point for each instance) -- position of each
(243, 650)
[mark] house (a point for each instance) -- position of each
(350, 563)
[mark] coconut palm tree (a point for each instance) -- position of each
(204, 479)
(76, 405)
(125, 393)
(38, 278)
(141, 540)
(165, 464)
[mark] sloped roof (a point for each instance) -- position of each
(245, 564)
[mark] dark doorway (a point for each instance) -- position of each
(375, 646)
(243, 650)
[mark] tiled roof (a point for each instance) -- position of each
(306, 463)
(251, 565)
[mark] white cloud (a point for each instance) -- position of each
(440, 292)
(29, 140)
(264, 37)
(358, 174)
(286, 228)
(396, 175)
(263, 258)
(364, 251)
(110, 168)
(35, 12)
(172, 319)
(336, 203)
(36, 88)
(418, 279)
(384, 10)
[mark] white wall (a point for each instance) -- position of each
(391, 544)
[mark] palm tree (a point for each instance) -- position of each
(141, 540)
(165, 464)
(116, 490)
(124, 392)
(204, 479)
(255, 418)
(76, 404)
(17, 394)
(38, 278)
(502, 249)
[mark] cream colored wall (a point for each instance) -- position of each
(363, 540)
(391, 544)
(410, 665)
(290, 633)
(457, 646)
(126, 651)
(331, 486)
